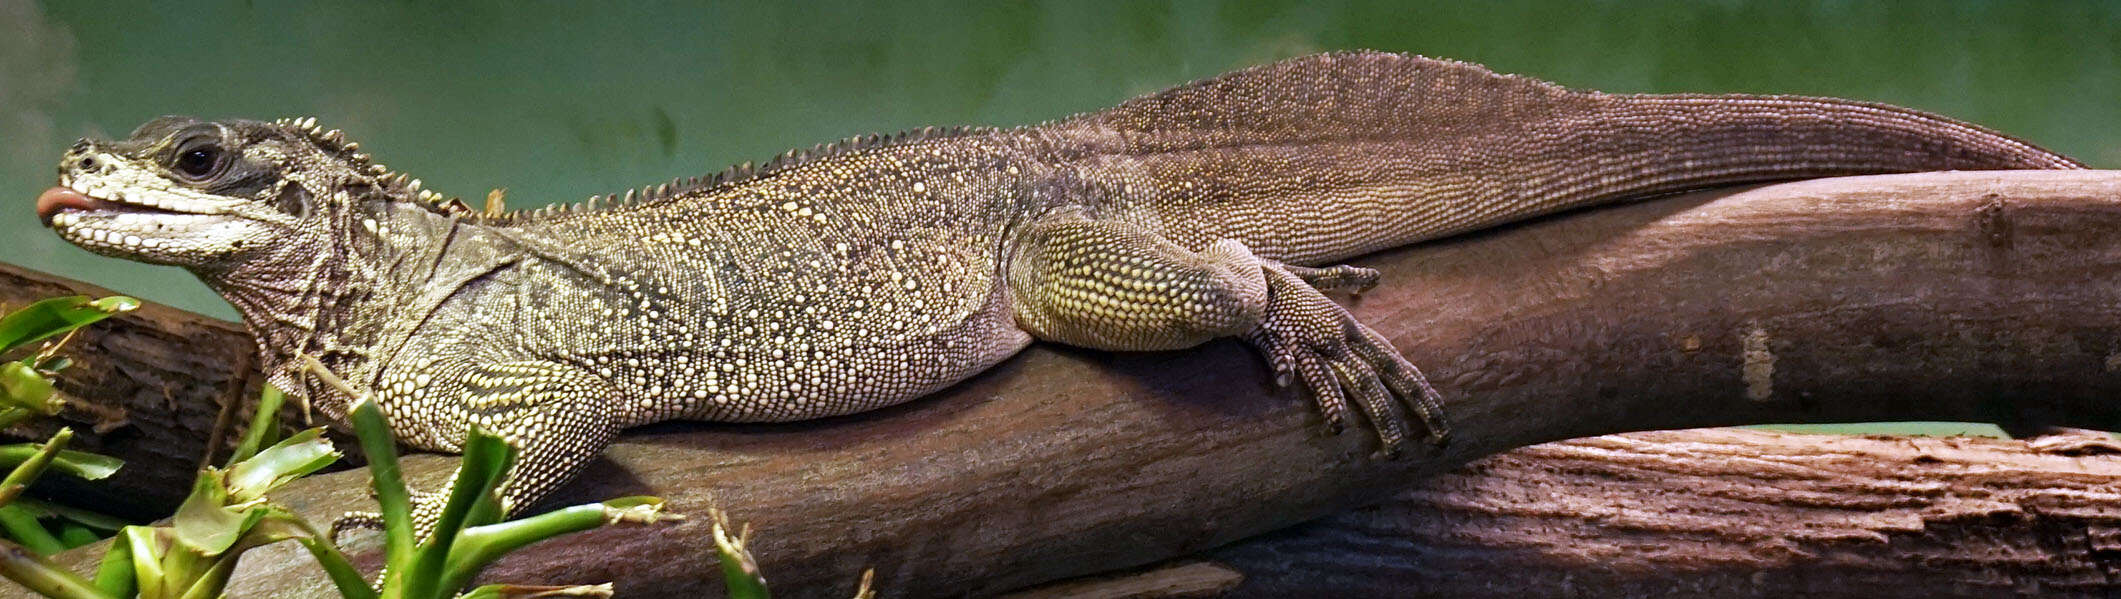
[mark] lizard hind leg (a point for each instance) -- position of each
(1111, 285)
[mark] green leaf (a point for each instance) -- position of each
(9, 415)
(739, 571)
(519, 591)
(204, 523)
(146, 546)
(23, 387)
(57, 315)
(115, 304)
(293, 458)
(93, 520)
(263, 525)
(78, 464)
(114, 575)
(274, 524)
(210, 583)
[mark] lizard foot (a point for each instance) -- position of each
(355, 521)
(1307, 336)
(426, 511)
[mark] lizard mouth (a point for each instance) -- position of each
(56, 199)
(111, 222)
(75, 197)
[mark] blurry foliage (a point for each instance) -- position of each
(26, 390)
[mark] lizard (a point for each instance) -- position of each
(878, 269)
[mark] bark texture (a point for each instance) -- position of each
(1720, 513)
(1946, 296)
(147, 387)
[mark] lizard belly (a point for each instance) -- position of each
(777, 384)
(790, 335)
(770, 365)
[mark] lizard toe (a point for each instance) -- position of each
(1343, 362)
(1342, 277)
(1406, 382)
(355, 521)
(1294, 359)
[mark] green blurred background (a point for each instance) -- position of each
(559, 101)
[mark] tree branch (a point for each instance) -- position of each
(1720, 513)
(1944, 296)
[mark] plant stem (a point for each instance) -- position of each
(478, 546)
(341, 570)
(23, 527)
(377, 444)
(33, 466)
(264, 425)
(42, 576)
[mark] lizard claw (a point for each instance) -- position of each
(1284, 372)
(1344, 362)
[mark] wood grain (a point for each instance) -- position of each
(1720, 513)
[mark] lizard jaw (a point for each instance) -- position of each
(117, 224)
(90, 193)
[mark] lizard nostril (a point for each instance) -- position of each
(88, 163)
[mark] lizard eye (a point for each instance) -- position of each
(199, 162)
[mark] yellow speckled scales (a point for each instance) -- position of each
(875, 270)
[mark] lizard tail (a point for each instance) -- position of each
(1647, 144)
(1325, 157)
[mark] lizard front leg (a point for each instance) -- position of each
(1112, 285)
(558, 417)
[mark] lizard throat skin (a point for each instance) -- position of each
(875, 270)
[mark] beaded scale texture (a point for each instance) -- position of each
(875, 270)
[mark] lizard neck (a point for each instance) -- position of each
(320, 294)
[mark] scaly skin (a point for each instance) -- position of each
(877, 270)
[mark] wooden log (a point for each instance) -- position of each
(147, 387)
(1945, 296)
(1721, 513)
(1183, 579)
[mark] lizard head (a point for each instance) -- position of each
(202, 194)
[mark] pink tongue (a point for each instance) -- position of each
(49, 202)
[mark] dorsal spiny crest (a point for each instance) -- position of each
(333, 141)
(456, 206)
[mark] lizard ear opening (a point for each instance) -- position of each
(293, 200)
